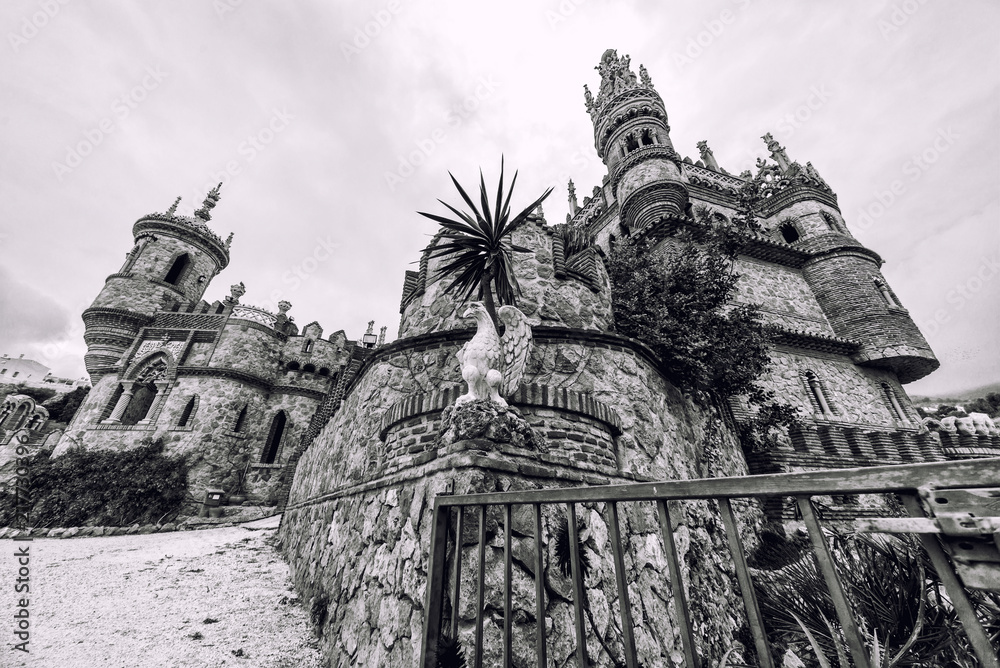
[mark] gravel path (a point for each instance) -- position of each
(146, 601)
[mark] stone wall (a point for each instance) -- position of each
(783, 295)
(546, 300)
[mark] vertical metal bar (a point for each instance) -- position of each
(507, 584)
(456, 598)
(829, 570)
(577, 576)
(539, 591)
(746, 586)
(628, 631)
(435, 586)
(963, 608)
(477, 660)
(677, 586)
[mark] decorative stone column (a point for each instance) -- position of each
(162, 390)
(122, 405)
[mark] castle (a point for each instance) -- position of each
(353, 438)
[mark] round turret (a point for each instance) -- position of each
(632, 137)
(172, 262)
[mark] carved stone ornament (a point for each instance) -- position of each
(493, 366)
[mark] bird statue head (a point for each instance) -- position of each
(475, 310)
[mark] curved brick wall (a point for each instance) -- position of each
(844, 285)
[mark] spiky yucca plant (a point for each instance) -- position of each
(477, 248)
(450, 653)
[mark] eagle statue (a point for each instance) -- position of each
(491, 365)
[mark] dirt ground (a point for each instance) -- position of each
(216, 597)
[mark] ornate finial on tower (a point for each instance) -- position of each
(588, 98)
(707, 156)
(644, 77)
(229, 240)
(573, 205)
(777, 152)
(283, 307)
(173, 207)
(539, 213)
(211, 199)
(371, 327)
(381, 336)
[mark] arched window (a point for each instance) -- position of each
(309, 368)
(273, 438)
(138, 407)
(293, 366)
(789, 233)
(177, 269)
(890, 299)
(630, 143)
(324, 371)
(831, 222)
(241, 419)
(647, 137)
(893, 402)
(188, 411)
(307, 346)
(817, 394)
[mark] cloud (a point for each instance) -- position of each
(28, 315)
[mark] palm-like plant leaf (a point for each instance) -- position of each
(476, 246)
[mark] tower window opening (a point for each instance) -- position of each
(241, 420)
(647, 137)
(886, 293)
(188, 411)
(818, 394)
(831, 222)
(177, 269)
(893, 401)
(309, 368)
(293, 366)
(307, 346)
(324, 371)
(273, 438)
(138, 407)
(630, 143)
(789, 233)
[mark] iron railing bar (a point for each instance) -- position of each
(963, 608)
(456, 598)
(477, 660)
(539, 591)
(628, 631)
(507, 583)
(866, 480)
(435, 584)
(833, 584)
(746, 585)
(677, 586)
(578, 593)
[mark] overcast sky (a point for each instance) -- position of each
(332, 124)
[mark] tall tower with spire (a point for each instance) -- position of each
(632, 137)
(172, 261)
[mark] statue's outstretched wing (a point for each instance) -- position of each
(516, 344)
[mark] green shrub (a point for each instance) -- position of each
(102, 487)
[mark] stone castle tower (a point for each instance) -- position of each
(236, 387)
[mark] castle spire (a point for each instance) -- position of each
(173, 207)
(573, 205)
(777, 152)
(211, 199)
